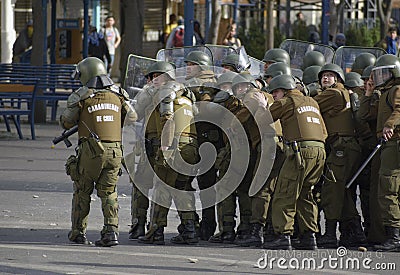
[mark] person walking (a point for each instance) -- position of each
(112, 38)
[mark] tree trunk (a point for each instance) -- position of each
(214, 26)
(39, 34)
(269, 42)
(333, 19)
(132, 31)
(385, 12)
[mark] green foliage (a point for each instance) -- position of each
(278, 37)
(357, 35)
(253, 40)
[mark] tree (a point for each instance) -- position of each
(132, 27)
(384, 11)
(214, 26)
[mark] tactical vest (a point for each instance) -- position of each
(386, 110)
(183, 116)
(341, 123)
(101, 114)
(306, 123)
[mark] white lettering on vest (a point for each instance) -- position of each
(303, 109)
(103, 106)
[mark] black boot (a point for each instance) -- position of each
(107, 239)
(137, 229)
(307, 241)
(352, 234)
(188, 235)
(281, 242)
(392, 242)
(269, 234)
(207, 229)
(329, 240)
(223, 237)
(80, 239)
(255, 238)
(154, 236)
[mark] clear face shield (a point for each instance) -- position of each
(382, 74)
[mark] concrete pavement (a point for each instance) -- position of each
(35, 200)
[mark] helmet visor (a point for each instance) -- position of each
(382, 74)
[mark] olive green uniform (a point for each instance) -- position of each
(368, 112)
(302, 125)
(144, 173)
(226, 208)
(389, 173)
(344, 157)
(102, 113)
(367, 140)
(207, 132)
(342, 162)
(174, 122)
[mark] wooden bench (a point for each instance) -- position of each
(54, 80)
(17, 98)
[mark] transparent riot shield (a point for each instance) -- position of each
(297, 50)
(219, 52)
(177, 55)
(345, 55)
(135, 73)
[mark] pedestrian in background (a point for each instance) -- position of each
(112, 38)
(98, 47)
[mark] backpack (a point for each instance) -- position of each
(178, 37)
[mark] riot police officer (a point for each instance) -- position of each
(386, 75)
(304, 134)
(342, 161)
(200, 79)
(173, 107)
(99, 109)
(144, 172)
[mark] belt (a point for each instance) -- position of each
(310, 143)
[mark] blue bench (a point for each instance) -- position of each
(54, 80)
(17, 98)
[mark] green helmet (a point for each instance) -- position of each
(89, 68)
(235, 62)
(284, 81)
(199, 58)
(310, 74)
(313, 58)
(331, 68)
(244, 77)
(276, 55)
(362, 61)
(226, 77)
(387, 67)
(162, 67)
(352, 80)
(276, 69)
(367, 72)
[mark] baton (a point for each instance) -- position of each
(378, 146)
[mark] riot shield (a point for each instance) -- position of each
(177, 55)
(135, 73)
(219, 52)
(345, 55)
(297, 50)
